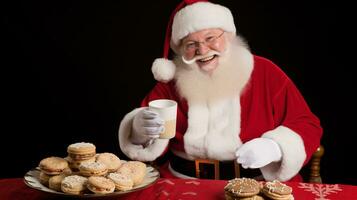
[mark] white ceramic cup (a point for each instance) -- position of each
(167, 109)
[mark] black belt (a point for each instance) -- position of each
(211, 169)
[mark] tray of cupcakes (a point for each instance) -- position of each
(250, 189)
(87, 173)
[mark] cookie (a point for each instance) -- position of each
(240, 188)
(68, 171)
(44, 178)
(53, 165)
(93, 169)
(135, 169)
(54, 182)
(255, 197)
(110, 160)
(100, 185)
(277, 190)
(81, 151)
(74, 184)
(123, 182)
(74, 164)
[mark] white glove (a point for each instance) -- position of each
(147, 125)
(258, 152)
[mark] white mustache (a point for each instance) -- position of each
(194, 59)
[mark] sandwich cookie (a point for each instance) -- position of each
(74, 184)
(54, 182)
(242, 188)
(53, 165)
(93, 169)
(135, 169)
(110, 160)
(100, 185)
(81, 151)
(74, 164)
(44, 178)
(123, 182)
(277, 190)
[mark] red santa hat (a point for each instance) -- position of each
(188, 17)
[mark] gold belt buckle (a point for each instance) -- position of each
(216, 167)
(215, 163)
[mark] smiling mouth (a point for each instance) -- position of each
(207, 59)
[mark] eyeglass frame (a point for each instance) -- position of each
(209, 41)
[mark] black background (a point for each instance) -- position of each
(72, 70)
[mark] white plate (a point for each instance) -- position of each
(31, 179)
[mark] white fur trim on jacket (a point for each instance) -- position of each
(294, 155)
(213, 130)
(163, 69)
(214, 105)
(199, 16)
(138, 152)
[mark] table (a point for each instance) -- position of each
(176, 189)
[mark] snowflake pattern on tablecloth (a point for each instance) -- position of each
(192, 182)
(321, 191)
(166, 181)
(162, 192)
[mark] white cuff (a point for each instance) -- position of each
(293, 151)
(138, 152)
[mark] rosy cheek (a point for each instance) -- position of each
(189, 55)
(219, 46)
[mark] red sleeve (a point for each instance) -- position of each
(160, 91)
(291, 110)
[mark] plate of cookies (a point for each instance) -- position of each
(86, 173)
(247, 188)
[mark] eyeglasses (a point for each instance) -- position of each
(192, 46)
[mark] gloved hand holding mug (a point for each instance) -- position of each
(258, 153)
(147, 125)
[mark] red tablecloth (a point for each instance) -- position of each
(175, 189)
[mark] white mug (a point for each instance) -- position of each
(167, 109)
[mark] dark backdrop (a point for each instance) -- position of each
(72, 70)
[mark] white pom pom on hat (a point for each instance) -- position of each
(188, 17)
(163, 69)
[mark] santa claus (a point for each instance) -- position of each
(232, 105)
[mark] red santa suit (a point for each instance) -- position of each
(246, 97)
(268, 104)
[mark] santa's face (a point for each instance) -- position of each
(204, 48)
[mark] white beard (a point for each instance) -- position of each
(233, 72)
(214, 103)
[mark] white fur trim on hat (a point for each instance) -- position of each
(163, 70)
(294, 155)
(199, 16)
